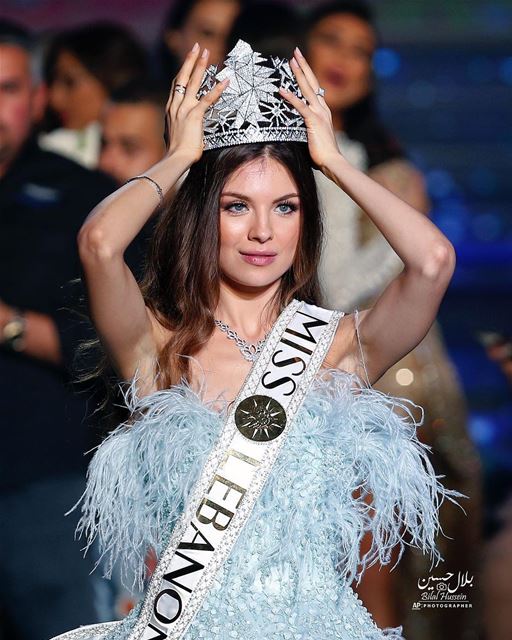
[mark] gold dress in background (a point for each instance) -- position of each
(357, 265)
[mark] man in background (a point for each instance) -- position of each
(133, 130)
(45, 587)
(132, 141)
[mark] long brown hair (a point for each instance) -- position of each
(181, 277)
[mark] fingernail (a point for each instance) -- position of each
(205, 53)
(195, 47)
(294, 62)
(283, 89)
(299, 52)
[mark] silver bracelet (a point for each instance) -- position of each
(156, 185)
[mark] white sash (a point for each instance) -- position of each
(234, 474)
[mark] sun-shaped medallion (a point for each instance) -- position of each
(260, 418)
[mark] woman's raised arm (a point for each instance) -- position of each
(402, 315)
(123, 322)
(404, 312)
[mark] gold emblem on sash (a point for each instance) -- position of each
(260, 418)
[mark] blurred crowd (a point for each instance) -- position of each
(81, 112)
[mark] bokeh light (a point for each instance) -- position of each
(386, 62)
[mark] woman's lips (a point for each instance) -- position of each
(259, 259)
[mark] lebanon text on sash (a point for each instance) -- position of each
(235, 472)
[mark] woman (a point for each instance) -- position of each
(82, 68)
(276, 556)
(341, 42)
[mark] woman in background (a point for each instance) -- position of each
(83, 67)
(340, 41)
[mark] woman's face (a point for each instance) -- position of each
(260, 220)
(75, 94)
(340, 49)
(208, 23)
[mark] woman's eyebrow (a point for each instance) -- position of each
(245, 197)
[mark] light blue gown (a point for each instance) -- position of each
(289, 574)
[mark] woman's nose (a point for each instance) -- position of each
(261, 228)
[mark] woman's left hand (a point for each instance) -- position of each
(322, 144)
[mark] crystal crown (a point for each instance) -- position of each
(250, 108)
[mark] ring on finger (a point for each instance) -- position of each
(320, 92)
(180, 88)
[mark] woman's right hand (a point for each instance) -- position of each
(184, 112)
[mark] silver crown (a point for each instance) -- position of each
(250, 108)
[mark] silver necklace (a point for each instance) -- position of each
(249, 350)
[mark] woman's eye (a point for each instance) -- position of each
(286, 207)
(236, 207)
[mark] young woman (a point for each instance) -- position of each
(341, 41)
(235, 256)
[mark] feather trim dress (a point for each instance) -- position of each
(289, 575)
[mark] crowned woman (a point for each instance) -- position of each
(257, 455)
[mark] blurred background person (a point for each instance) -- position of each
(83, 67)
(341, 40)
(188, 21)
(44, 199)
(132, 124)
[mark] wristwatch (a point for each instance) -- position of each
(13, 332)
